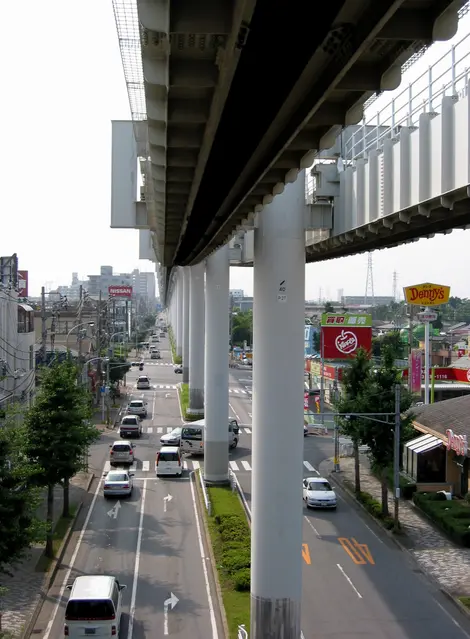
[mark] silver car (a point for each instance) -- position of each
(137, 407)
(143, 383)
(121, 452)
(118, 482)
(171, 439)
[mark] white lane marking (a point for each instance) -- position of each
(312, 526)
(169, 429)
(452, 619)
(248, 431)
(215, 634)
(196, 465)
(234, 412)
(72, 562)
(159, 429)
(349, 581)
(246, 465)
(185, 465)
(309, 467)
(137, 564)
(133, 467)
(150, 430)
(146, 466)
(233, 465)
(153, 405)
(107, 467)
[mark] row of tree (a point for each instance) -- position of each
(367, 409)
(39, 450)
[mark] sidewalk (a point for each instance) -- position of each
(26, 585)
(436, 555)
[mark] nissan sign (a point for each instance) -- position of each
(120, 291)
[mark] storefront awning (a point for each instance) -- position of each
(424, 443)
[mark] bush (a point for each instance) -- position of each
(452, 516)
(374, 507)
(242, 580)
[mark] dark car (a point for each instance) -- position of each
(178, 368)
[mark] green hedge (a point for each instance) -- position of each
(407, 488)
(373, 506)
(231, 542)
(453, 516)
(177, 359)
(184, 403)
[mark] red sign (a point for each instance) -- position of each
(344, 342)
(457, 443)
(447, 375)
(306, 406)
(308, 364)
(120, 291)
(461, 352)
(22, 283)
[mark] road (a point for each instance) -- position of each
(150, 542)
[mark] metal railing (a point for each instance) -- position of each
(205, 494)
(447, 76)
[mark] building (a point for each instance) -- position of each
(17, 338)
(100, 283)
(351, 301)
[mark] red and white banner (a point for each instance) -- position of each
(22, 283)
(120, 291)
(343, 342)
(306, 405)
(416, 366)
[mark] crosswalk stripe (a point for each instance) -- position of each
(248, 431)
(185, 465)
(193, 464)
(309, 467)
(133, 467)
(196, 465)
(150, 430)
(169, 429)
(246, 465)
(159, 429)
(107, 467)
(233, 465)
(145, 466)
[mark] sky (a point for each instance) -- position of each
(63, 84)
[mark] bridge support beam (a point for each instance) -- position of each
(179, 314)
(186, 311)
(196, 340)
(216, 367)
(278, 336)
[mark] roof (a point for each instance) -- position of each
(26, 307)
(92, 586)
(462, 362)
(451, 413)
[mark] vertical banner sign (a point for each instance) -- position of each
(22, 283)
(344, 334)
(416, 358)
(306, 406)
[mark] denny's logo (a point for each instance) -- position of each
(427, 294)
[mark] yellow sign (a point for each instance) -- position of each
(306, 554)
(359, 553)
(427, 294)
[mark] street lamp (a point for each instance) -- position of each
(73, 328)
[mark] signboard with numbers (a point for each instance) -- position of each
(344, 334)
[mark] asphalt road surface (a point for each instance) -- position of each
(151, 541)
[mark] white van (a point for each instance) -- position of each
(168, 461)
(192, 436)
(94, 607)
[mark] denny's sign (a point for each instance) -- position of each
(427, 294)
(457, 443)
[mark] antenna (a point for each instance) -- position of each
(369, 293)
(395, 287)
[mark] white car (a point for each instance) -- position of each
(121, 452)
(131, 426)
(137, 407)
(143, 383)
(317, 493)
(118, 482)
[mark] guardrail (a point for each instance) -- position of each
(205, 494)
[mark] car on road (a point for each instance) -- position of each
(121, 453)
(173, 438)
(118, 482)
(155, 355)
(178, 368)
(137, 407)
(168, 461)
(130, 426)
(318, 493)
(143, 383)
(305, 430)
(162, 334)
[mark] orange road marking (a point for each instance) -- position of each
(359, 553)
(306, 554)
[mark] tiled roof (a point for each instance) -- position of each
(451, 413)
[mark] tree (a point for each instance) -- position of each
(356, 379)
(242, 327)
(58, 434)
(390, 340)
(438, 323)
(378, 396)
(19, 526)
(118, 368)
(316, 341)
(329, 308)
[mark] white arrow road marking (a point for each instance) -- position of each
(165, 502)
(114, 510)
(167, 395)
(169, 603)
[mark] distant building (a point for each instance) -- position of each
(351, 301)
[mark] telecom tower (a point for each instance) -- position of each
(395, 287)
(369, 294)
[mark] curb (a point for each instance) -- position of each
(454, 600)
(50, 575)
(215, 574)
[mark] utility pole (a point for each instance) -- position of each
(98, 348)
(396, 455)
(44, 326)
(80, 314)
(410, 345)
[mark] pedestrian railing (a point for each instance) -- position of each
(207, 500)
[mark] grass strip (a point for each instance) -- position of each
(176, 358)
(60, 530)
(184, 404)
(231, 544)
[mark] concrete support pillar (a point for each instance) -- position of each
(179, 314)
(216, 367)
(196, 340)
(186, 285)
(277, 448)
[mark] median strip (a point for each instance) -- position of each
(184, 404)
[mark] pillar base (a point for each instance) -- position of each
(197, 412)
(196, 401)
(274, 618)
(214, 482)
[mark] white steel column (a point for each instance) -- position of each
(179, 314)
(216, 367)
(186, 284)
(196, 340)
(277, 448)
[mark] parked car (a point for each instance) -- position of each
(178, 368)
(137, 407)
(118, 482)
(130, 426)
